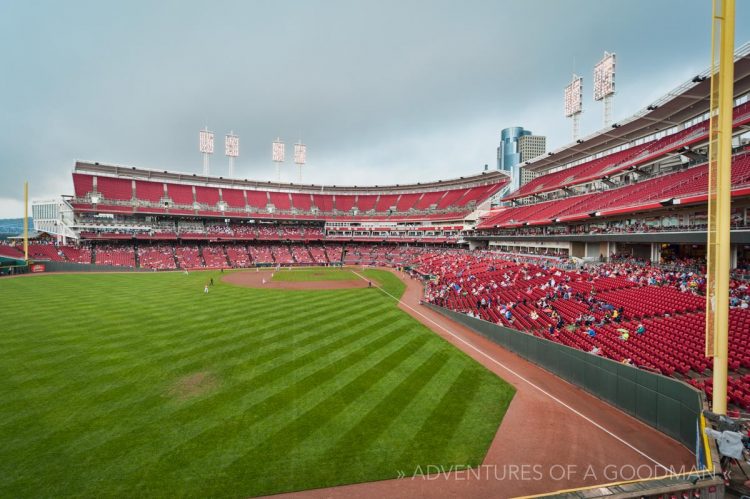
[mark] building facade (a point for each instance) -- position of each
(527, 176)
(516, 146)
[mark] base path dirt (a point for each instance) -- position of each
(255, 279)
(554, 436)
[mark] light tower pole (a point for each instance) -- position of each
(277, 155)
(300, 156)
(206, 147)
(26, 221)
(231, 150)
(604, 85)
(574, 103)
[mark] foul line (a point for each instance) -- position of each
(530, 383)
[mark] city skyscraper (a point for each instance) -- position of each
(518, 145)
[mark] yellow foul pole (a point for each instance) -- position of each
(26, 221)
(719, 195)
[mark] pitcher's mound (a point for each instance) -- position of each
(253, 279)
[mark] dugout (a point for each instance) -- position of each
(12, 266)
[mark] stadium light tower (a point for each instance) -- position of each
(231, 150)
(206, 147)
(26, 221)
(604, 84)
(300, 156)
(277, 155)
(574, 103)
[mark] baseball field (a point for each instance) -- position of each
(144, 385)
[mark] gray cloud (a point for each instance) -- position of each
(382, 92)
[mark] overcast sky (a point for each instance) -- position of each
(382, 92)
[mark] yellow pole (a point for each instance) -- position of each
(723, 205)
(26, 221)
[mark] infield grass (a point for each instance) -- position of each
(314, 274)
(134, 385)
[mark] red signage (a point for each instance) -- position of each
(38, 267)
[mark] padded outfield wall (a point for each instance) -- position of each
(667, 404)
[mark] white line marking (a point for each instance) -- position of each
(530, 383)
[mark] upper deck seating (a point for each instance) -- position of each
(149, 191)
(115, 188)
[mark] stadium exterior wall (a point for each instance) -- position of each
(667, 404)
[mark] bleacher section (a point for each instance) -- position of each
(116, 195)
(280, 200)
(76, 255)
(45, 252)
(624, 159)
(323, 202)
(344, 202)
(158, 257)
(675, 188)
(214, 257)
(238, 256)
(181, 194)
(117, 189)
(234, 198)
(149, 191)
(188, 257)
(594, 308)
(334, 253)
(261, 254)
(318, 254)
(301, 202)
(281, 254)
(121, 256)
(82, 184)
(366, 202)
(207, 195)
(301, 254)
(257, 200)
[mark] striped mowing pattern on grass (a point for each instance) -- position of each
(141, 384)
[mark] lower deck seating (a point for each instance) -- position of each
(214, 256)
(334, 253)
(238, 256)
(301, 254)
(638, 313)
(318, 254)
(45, 252)
(261, 254)
(158, 257)
(76, 254)
(188, 257)
(282, 255)
(115, 255)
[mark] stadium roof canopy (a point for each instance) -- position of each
(10, 261)
(687, 101)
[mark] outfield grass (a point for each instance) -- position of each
(142, 385)
(315, 274)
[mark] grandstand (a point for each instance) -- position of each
(635, 192)
(603, 252)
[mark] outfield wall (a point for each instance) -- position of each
(51, 266)
(667, 404)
